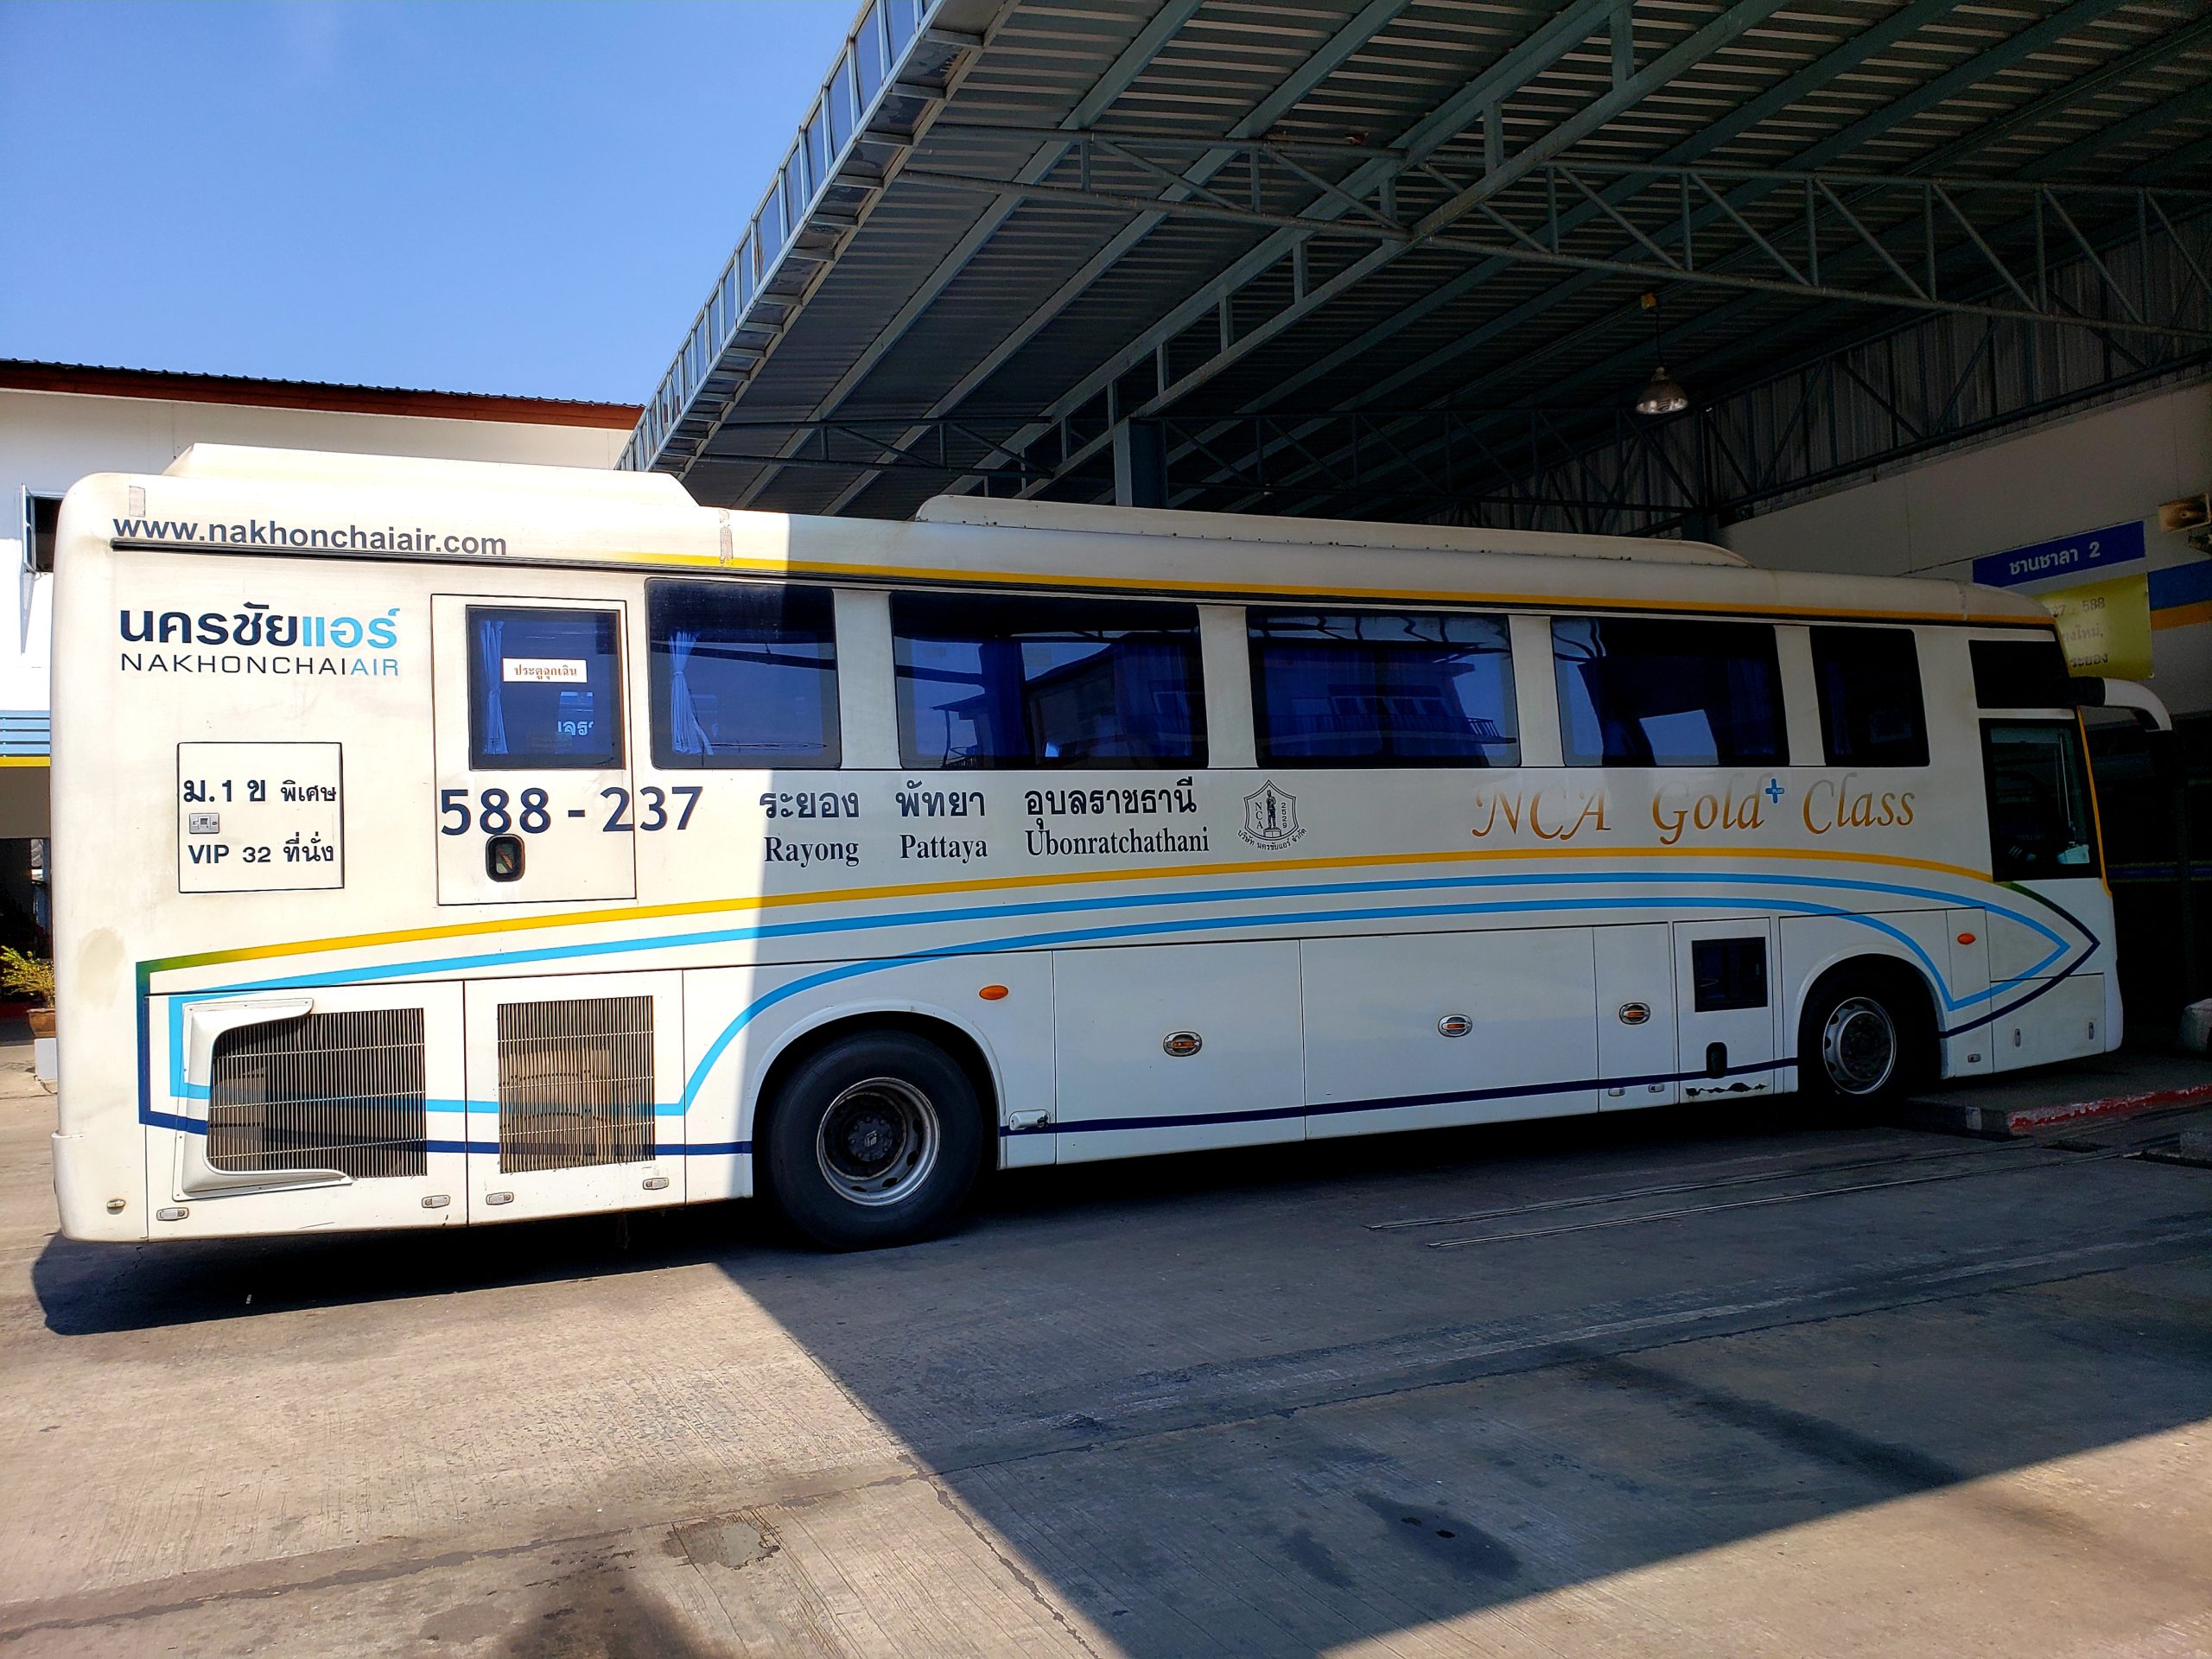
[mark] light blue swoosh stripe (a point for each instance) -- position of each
(984, 914)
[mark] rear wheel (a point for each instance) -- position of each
(1866, 1036)
(875, 1141)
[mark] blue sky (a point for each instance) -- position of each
(473, 197)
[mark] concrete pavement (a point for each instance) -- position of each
(1731, 1382)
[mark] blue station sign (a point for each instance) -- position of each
(2062, 555)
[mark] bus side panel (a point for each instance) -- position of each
(2065, 1021)
(1385, 1049)
(112, 860)
(737, 1020)
(1919, 940)
(362, 1082)
(1967, 1050)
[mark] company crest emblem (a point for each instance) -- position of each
(1271, 816)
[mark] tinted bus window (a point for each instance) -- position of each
(1869, 684)
(544, 688)
(743, 674)
(2041, 822)
(1002, 681)
(1397, 687)
(2020, 674)
(1638, 693)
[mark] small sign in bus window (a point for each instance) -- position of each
(543, 671)
(256, 817)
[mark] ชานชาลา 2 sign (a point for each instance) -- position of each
(2062, 555)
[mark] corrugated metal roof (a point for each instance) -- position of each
(865, 294)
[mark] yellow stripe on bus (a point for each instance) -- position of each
(1059, 877)
(831, 572)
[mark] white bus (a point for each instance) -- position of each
(441, 843)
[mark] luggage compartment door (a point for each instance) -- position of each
(1636, 1017)
(1415, 1031)
(1166, 1047)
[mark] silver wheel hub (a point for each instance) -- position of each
(878, 1141)
(1859, 1045)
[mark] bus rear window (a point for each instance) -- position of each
(2041, 822)
(1390, 688)
(544, 688)
(992, 682)
(743, 674)
(1638, 693)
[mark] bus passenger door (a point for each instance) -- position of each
(575, 1086)
(534, 802)
(1724, 996)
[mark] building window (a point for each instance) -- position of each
(544, 689)
(1869, 686)
(1649, 693)
(42, 518)
(992, 682)
(1391, 688)
(743, 674)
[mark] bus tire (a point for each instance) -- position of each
(873, 1140)
(1866, 1036)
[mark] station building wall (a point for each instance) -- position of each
(2111, 465)
(60, 422)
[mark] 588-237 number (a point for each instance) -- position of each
(498, 812)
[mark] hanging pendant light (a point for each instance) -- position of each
(1664, 394)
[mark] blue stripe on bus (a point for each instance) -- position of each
(696, 1079)
(1391, 1103)
(852, 970)
(983, 914)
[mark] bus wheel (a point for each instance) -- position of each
(875, 1141)
(1862, 1038)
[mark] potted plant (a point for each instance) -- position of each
(32, 978)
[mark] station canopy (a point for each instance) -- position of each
(1426, 258)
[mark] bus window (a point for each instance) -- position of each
(1869, 684)
(1394, 687)
(742, 674)
(2040, 823)
(2020, 674)
(1637, 693)
(992, 682)
(544, 688)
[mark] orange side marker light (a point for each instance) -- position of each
(992, 993)
(1966, 938)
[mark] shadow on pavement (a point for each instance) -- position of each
(1208, 1403)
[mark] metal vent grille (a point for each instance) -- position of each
(339, 1091)
(575, 1083)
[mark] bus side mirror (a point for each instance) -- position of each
(2137, 698)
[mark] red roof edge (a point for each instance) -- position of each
(18, 375)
